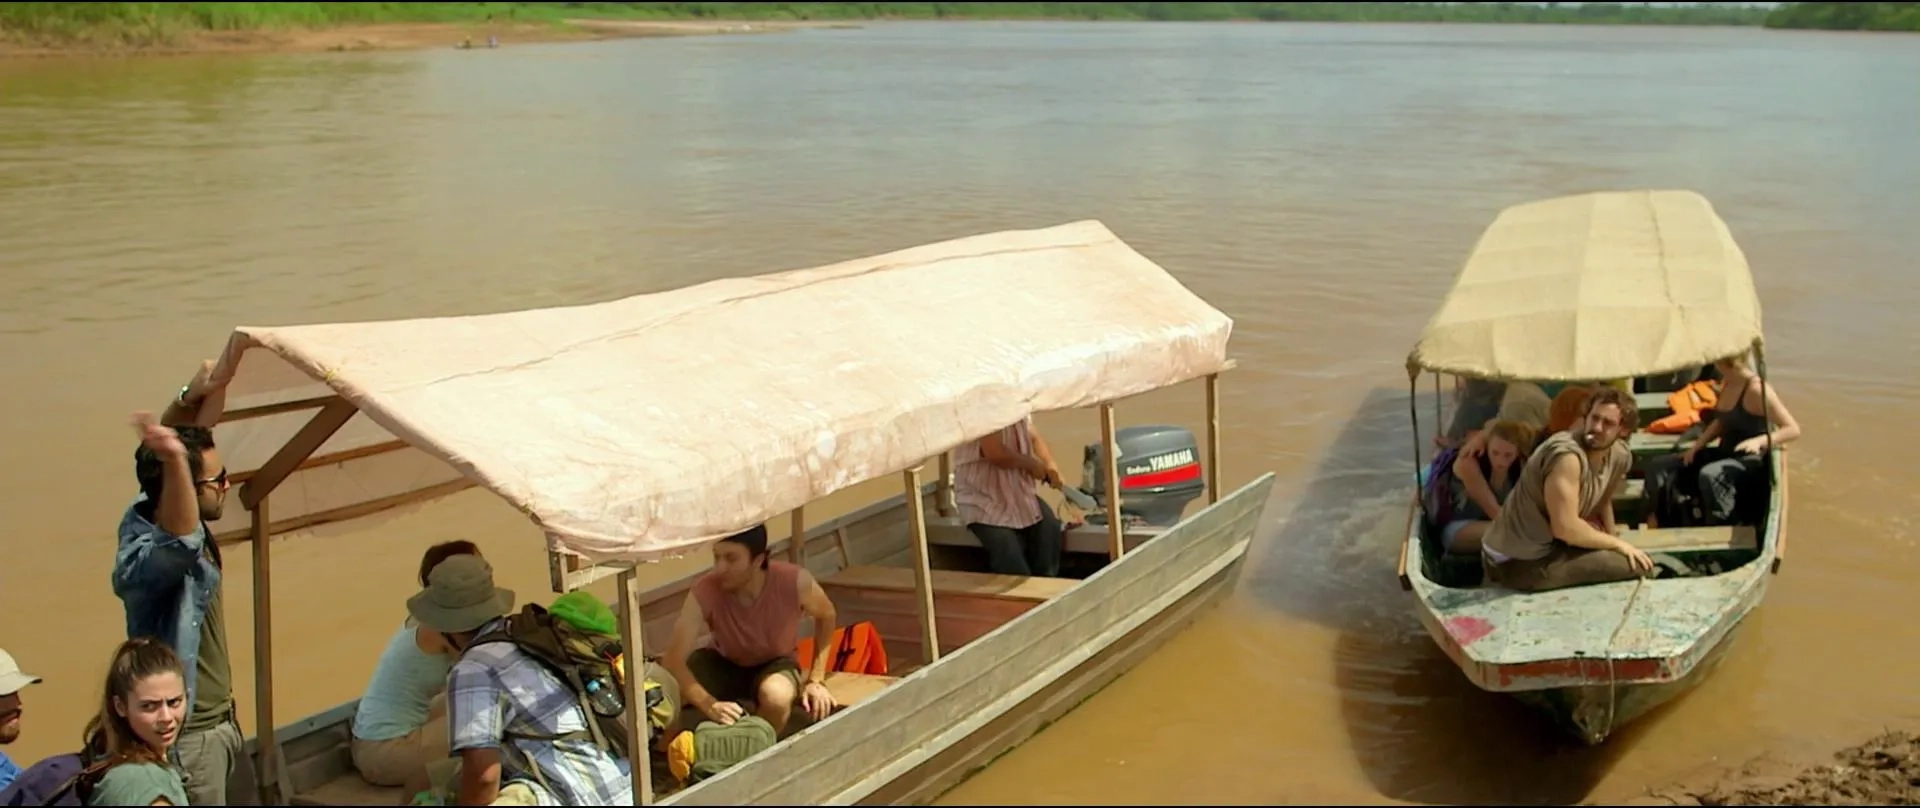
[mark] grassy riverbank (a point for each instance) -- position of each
(1847, 16)
(193, 26)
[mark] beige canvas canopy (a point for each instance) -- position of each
(643, 427)
(1596, 286)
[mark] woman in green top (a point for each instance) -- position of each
(141, 711)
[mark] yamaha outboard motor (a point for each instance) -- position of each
(1160, 474)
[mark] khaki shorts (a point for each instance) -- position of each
(401, 761)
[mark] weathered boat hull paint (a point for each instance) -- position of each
(1591, 714)
(1595, 658)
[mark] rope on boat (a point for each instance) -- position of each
(1613, 682)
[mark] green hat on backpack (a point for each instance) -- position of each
(585, 612)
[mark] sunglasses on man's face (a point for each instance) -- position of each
(218, 480)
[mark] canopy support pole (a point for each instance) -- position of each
(270, 774)
(1116, 526)
(797, 538)
(922, 568)
(632, 644)
(1213, 439)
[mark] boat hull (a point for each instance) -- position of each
(926, 732)
(1591, 714)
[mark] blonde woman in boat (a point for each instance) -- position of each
(142, 710)
(401, 723)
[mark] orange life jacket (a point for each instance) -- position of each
(858, 649)
(1687, 403)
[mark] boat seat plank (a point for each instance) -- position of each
(348, 789)
(849, 689)
(949, 531)
(1693, 539)
(1644, 442)
(955, 582)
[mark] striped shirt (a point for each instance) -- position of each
(990, 495)
(495, 689)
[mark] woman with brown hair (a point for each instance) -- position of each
(142, 709)
(401, 723)
(1482, 481)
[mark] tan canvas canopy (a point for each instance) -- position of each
(646, 426)
(1596, 286)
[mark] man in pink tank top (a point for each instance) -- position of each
(750, 608)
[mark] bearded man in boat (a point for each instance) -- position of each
(1556, 529)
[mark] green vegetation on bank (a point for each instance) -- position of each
(1847, 16)
(1595, 13)
(157, 23)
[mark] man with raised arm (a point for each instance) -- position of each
(167, 574)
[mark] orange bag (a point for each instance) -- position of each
(858, 650)
(1687, 403)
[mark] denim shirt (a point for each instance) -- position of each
(165, 584)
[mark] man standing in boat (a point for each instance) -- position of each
(1556, 529)
(751, 607)
(167, 574)
(996, 483)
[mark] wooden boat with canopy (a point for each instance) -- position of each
(1585, 288)
(644, 428)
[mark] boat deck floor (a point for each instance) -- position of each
(349, 789)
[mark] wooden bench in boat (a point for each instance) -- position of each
(954, 582)
(328, 759)
(1692, 539)
(949, 531)
(967, 605)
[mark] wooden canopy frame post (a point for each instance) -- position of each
(922, 566)
(1116, 526)
(633, 645)
(797, 537)
(270, 768)
(1213, 438)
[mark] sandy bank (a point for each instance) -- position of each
(1882, 771)
(411, 36)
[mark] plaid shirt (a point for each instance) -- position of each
(495, 688)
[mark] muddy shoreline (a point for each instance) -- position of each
(1882, 771)
(409, 36)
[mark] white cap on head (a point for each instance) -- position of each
(12, 679)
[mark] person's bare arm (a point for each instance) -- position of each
(1468, 472)
(1563, 508)
(816, 604)
(685, 631)
(1785, 429)
(1707, 437)
(202, 403)
(1607, 522)
(1045, 454)
(479, 776)
(995, 451)
(814, 695)
(178, 511)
